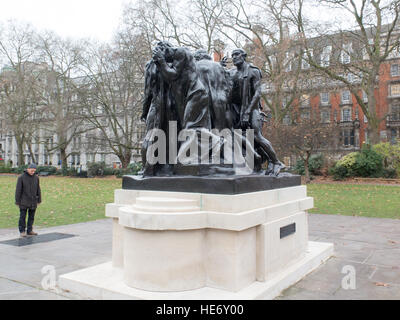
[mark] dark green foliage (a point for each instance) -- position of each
(389, 173)
(367, 163)
(108, 171)
(132, 169)
(49, 169)
(96, 169)
(315, 165)
(20, 169)
(340, 172)
(5, 169)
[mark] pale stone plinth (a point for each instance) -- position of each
(185, 244)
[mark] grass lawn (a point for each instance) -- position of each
(64, 200)
(74, 200)
(356, 200)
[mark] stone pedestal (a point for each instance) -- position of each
(170, 245)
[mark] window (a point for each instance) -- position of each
(345, 54)
(346, 96)
(350, 77)
(395, 113)
(305, 100)
(304, 62)
(395, 90)
(364, 96)
(348, 137)
(393, 136)
(305, 115)
(286, 120)
(325, 116)
(325, 56)
(346, 115)
(395, 53)
(288, 62)
(365, 52)
(365, 119)
(269, 66)
(394, 70)
(324, 98)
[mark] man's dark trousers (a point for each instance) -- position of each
(22, 219)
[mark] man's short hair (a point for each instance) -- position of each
(244, 53)
(164, 44)
(201, 54)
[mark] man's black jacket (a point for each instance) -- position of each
(27, 193)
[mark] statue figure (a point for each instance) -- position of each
(216, 82)
(202, 95)
(246, 94)
(190, 95)
(158, 108)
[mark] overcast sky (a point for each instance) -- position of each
(97, 19)
(73, 18)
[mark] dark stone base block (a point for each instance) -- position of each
(211, 184)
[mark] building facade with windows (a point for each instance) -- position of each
(331, 99)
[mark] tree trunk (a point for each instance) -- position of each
(373, 131)
(307, 172)
(20, 147)
(32, 153)
(125, 160)
(64, 164)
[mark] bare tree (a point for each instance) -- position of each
(357, 52)
(19, 83)
(265, 29)
(59, 99)
(304, 138)
(159, 20)
(111, 93)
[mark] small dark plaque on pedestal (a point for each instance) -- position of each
(211, 184)
(288, 230)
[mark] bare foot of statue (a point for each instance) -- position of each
(278, 167)
(270, 169)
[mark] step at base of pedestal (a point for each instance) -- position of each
(105, 282)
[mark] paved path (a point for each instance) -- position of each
(371, 246)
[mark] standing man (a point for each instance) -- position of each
(27, 198)
(246, 94)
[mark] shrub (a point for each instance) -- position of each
(366, 163)
(108, 171)
(340, 172)
(132, 169)
(391, 156)
(82, 174)
(135, 167)
(50, 169)
(389, 173)
(5, 169)
(369, 163)
(315, 165)
(20, 169)
(96, 169)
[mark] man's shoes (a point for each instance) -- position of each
(22, 235)
(32, 233)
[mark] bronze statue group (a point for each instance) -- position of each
(201, 95)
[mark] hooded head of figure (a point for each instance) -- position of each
(31, 169)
